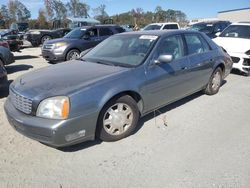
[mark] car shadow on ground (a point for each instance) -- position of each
(25, 57)
(15, 68)
(5, 90)
(237, 72)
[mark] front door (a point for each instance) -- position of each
(167, 82)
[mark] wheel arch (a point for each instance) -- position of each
(69, 49)
(135, 95)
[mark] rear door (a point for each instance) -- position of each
(90, 39)
(200, 58)
(105, 32)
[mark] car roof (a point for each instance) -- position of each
(103, 25)
(212, 22)
(160, 32)
(165, 23)
(241, 23)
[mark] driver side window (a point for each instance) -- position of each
(91, 33)
(171, 46)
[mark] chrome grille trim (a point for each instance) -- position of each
(20, 102)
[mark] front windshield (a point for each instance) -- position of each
(76, 33)
(122, 50)
(206, 28)
(237, 31)
(152, 27)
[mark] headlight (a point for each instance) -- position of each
(248, 52)
(54, 108)
(60, 44)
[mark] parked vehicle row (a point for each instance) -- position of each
(210, 28)
(6, 57)
(71, 45)
(38, 37)
(120, 80)
(11, 36)
(235, 39)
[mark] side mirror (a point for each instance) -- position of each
(217, 34)
(164, 59)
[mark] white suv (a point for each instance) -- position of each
(162, 26)
(235, 39)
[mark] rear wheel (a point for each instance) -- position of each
(45, 38)
(34, 44)
(214, 83)
(118, 119)
(73, 54)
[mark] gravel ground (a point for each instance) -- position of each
(206, 143)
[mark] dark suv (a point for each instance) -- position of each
(211, 28)
(80, 39)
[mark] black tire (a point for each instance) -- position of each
(213, 88)
(71, 53)
(102, 132)
(34, 44)
(45, 38)
(247, 74)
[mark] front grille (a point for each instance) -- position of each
(47, 46)
(246, 62)
(20, 102)
(235, 59)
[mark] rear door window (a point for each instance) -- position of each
(105, 32)
(196, 44)
(172, 46)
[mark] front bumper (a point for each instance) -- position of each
(50, 56)
(241, 62)
(57, 133)
(33, 38)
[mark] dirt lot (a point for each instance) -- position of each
(206, 143)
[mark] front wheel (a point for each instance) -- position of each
(72, 55)
(214, 83)
(45, 38)
(118, 119)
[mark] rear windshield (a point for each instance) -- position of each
(206, 28)
(153, 27)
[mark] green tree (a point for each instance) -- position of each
(5, 18)
(160, 14)
(137, 14)
(41, 20)
(23, 14)
(59, 9)
(100, 13)
(77, 8)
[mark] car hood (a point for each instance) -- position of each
(63, 79)
(233, 45)
(67, 40)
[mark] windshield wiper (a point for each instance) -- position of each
(104, 63)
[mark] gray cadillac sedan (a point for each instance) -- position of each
(103, 94)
